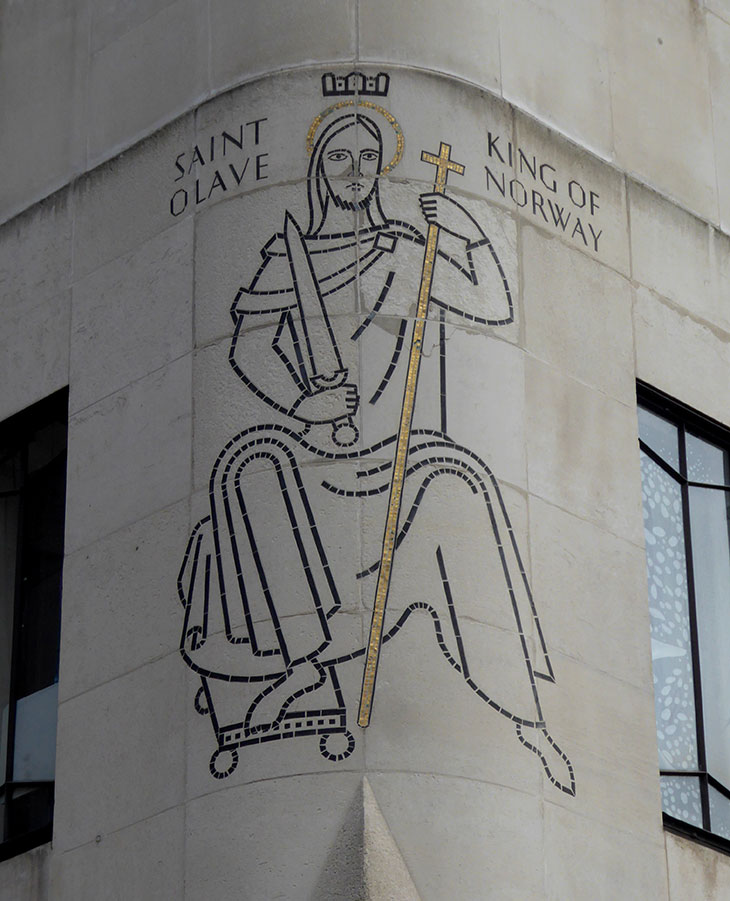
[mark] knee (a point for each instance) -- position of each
(263, 449)
(440, 451)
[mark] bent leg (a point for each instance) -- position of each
(207, 643)
(276, 579)
(255, 582)
(495, 634)
(450, 557)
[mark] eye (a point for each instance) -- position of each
(369, 155)
(337, 156)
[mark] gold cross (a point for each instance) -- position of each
(443, 165)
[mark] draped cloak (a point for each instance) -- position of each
(276, 520)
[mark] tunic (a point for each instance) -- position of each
(277, 521)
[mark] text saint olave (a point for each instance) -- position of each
(226, 151)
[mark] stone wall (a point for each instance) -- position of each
(563, 277)
(639, 82)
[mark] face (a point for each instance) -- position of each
(351, 160)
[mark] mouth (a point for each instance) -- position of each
(355, 186)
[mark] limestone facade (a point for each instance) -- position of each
(215, 235)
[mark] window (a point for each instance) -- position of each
(32, 504)
(685, 467)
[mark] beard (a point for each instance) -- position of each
(360, 203)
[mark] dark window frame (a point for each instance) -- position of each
(16, 434)
(685, 418)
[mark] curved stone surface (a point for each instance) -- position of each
(261, 412)
(100, 76)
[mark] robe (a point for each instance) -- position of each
(293, 537)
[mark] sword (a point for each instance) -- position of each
(323, 360)
(443, 165)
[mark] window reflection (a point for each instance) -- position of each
(669, 611)
(706, 462)
(32, 507)
(681, 798)
(685, 462)
(660, 435)
(719, 813)
(711, 562)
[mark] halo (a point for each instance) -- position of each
(390, 119)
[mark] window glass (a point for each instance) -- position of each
(34, 759)
(47, 443)
(32, 507)
(711, 563)
(8, 550)
(30, 809)
(660, 435)
(719, 813)
(10, 469)
(42, 560)
(671, 648)
(706, 462)
(681, 798)
(4, 717)
(686, 512)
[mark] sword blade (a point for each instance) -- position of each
(323, 355)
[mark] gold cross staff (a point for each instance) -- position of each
(443, 165)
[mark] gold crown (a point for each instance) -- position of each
(355, 83)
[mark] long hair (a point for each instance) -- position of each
(317, 193)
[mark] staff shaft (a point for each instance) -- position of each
(443, 165)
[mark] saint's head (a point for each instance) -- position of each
(344, 169)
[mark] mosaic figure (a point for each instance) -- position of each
(322, 335)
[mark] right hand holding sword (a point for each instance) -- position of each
(332, 403)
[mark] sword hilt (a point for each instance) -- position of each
(344, 431)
